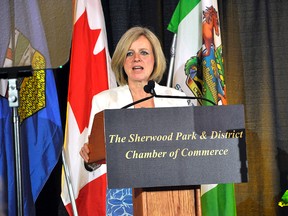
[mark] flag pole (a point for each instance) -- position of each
(14, 103)
(69, 185)
(172, 60)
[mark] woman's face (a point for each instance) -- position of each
(139, 62)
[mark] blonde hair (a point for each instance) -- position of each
(123, 46)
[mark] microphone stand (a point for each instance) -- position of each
(12, 74)
(149, 88)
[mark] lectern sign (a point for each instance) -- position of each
(175, 146)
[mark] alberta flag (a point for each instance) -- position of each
(89, 74)
(23, 42)
(198, 71)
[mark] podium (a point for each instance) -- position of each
(164, 154)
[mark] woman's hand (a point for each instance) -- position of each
(84, 152)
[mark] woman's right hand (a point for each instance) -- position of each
(84, 152)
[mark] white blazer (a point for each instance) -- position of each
(119, 97)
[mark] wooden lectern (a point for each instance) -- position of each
(164, 154)
(183, 200)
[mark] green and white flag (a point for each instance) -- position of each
(198, 71)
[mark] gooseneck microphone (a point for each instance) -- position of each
(149, 88)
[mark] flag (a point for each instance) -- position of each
(41, 137)
(198, 71)
(7, 191)
(90, 74)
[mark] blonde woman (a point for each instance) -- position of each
(138, 58)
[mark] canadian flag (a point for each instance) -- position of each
(90, 74)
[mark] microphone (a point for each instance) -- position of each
(149, 88)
